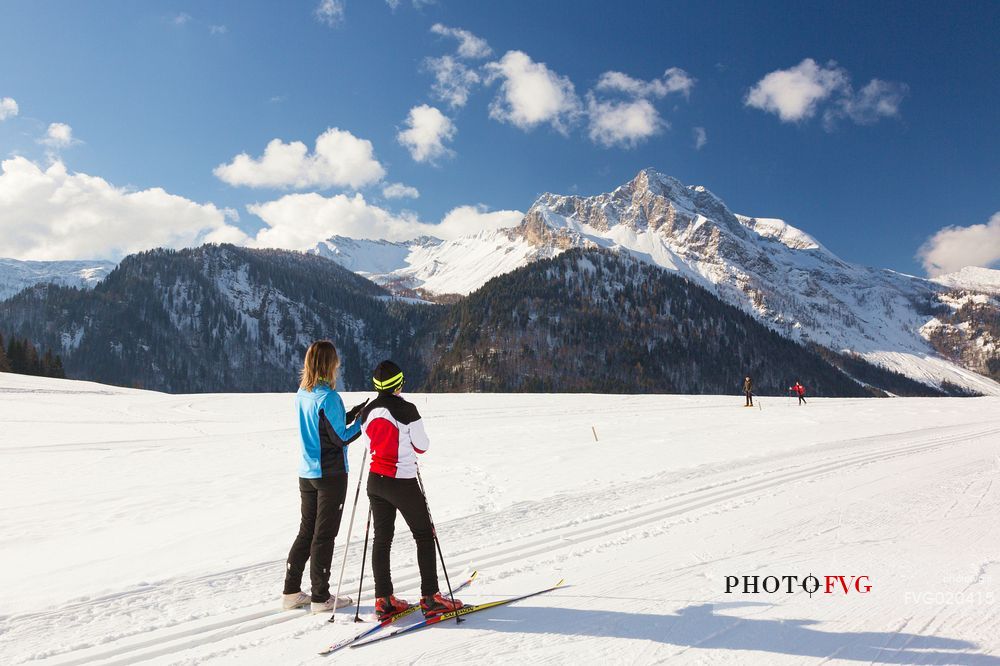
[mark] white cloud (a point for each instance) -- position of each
(417, 4)
(673, 80)
(466, 220)
(181, 19)
(8, 108)
(700, 138)
(879, 99)
(427, 130)
(340, 159)
(299, 221)
(453, 80)
(49, 214)
(793, 94)
(400, 191)
(953, 248)
(58, 135)
(469, 45)
(217, 29)
(330, 12)
(622, 124)
(532, 94)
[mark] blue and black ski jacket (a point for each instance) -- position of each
(323, 432)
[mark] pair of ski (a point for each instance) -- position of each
(358, 639)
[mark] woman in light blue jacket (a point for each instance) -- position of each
(324, 434)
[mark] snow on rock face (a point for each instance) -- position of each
(16, 275)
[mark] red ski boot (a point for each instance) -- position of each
(386, 607)
(438, 604)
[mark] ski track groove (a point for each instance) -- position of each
(575, 533)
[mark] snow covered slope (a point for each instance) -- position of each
(147, 528)
(972, 278)
(764, 266)
(16, 275)
(432, 266)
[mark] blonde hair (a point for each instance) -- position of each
(320, 365)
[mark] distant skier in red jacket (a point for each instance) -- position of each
(800, 391)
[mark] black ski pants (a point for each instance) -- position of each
(322, 507)
(387, 495)
(802, 400)
(749, 399)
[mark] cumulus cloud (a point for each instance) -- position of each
(469, 45)
(8, 108)
(877, 100)
(453, 80)
(623, 124)
(330, 12)
(467, 220)
(795, 94)
(425, 134)
(181, 19)
(400, 191)
(58, 135)
(299, 221)
(700, 138)
(674, 80)
(51, 213)
(340, 159)
(953, 248)
(217, 29)
(532, 94)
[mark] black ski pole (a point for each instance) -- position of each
(347, 542)
(458, 618)
(361, 578)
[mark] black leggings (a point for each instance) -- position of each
(387, 495)
(322, 507)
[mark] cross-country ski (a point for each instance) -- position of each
(380, 624)
(454, 614)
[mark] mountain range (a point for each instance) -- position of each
(782, 276)
(16, 275)
(575, 278)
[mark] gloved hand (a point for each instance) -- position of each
(353, 412)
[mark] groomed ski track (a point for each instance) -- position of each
(616, 529)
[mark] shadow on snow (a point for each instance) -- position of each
(699, 626)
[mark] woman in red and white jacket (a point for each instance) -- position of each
(396, 436)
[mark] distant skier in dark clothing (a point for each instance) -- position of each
(323, 437)
(748, 391)
(396, 436)
(800, 391)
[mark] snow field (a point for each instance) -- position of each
(145, 528)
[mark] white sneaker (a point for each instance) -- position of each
(327, 606)
(294, 600)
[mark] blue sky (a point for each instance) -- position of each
(160, 94)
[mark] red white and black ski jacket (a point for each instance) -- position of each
(395, 435)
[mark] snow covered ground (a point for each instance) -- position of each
(142, 527)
